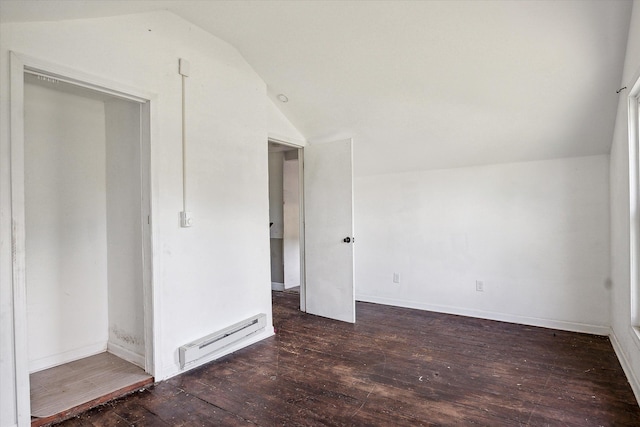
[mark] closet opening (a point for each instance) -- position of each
(87, 246)
(285, 219)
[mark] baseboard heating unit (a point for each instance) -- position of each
(192, 352)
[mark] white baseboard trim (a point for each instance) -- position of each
(67, 356)
(277, 286)
(626, 366)
(175, 370)
(126, 354)
(502, 317)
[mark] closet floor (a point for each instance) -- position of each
(63, 391)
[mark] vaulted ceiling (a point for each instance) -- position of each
(419, 84)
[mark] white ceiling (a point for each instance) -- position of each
(420, 84)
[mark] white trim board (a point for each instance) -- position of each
(489, 315)
(285, 140)
(19, 64)
(68, 356)
(634, 196)
(626, 366)
(20, 349)
(125, 354)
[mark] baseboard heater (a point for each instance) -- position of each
(192, 352)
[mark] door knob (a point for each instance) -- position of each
(347, 240)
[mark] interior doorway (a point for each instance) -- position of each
(325, 221)
(286, 227)
(82, 261)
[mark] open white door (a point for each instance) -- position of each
(328, 212)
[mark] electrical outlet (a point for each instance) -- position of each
(396, 277)
(479, 286)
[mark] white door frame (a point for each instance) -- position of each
(19, 65)
(300, 146)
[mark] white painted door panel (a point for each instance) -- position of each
(328, 211)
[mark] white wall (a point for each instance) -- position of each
(65, 226)
(536, 234)
(215, 273)
(276, 161)
(124, 231)
(284, 213)
(625, 342)
(280, 127)
(276, 229)
(291, 219)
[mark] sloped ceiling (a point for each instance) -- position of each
(420, 84)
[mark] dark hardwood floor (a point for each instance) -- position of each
(395, 367)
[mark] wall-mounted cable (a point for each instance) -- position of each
(185, 216)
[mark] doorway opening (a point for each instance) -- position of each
(82, 273)
(325, 225)
(286, 227)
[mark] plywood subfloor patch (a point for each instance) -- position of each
(67, 386)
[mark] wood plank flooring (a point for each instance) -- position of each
(394, 367)
(74, 387)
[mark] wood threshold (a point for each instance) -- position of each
(77, 410)
(66, 390)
